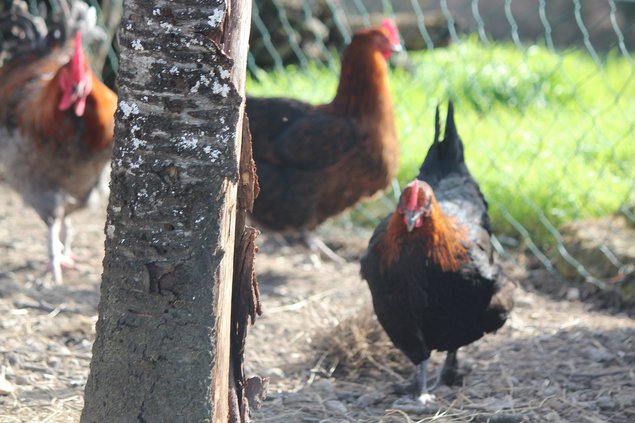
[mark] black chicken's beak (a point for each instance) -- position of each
(411, 218)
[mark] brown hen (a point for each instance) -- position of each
(313, 162)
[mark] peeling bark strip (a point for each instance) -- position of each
(245, 293)
(163, 334)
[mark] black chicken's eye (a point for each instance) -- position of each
(428, 201)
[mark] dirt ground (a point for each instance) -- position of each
(327, 360)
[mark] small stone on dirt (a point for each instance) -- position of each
(335, 405)
(550, 390)
(552, 417)
(295, 397)
(606, 403)
(573, 294)
(324, 385)
(599, 355)
(367, 400)
(273, 371)
(6, 388)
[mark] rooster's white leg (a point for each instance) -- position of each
(424, 402)
(66, 236)
(422, 381)
(55, 248)
(316, 245)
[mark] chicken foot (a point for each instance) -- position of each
(424, 401)
(60, 255)
(447, 374)
(66, 236)
(425, 397)
(317, 246)
(55, 249)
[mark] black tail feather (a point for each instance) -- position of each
(24, 32)
(437, 126)
(446, 155)
(452, 147)
(20, 31)
(450, 126)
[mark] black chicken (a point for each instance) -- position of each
(430, 267)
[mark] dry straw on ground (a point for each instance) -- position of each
(325, 355)
(552, 362)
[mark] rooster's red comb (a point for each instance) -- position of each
(77, 63)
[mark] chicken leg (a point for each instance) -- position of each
(449, 372)
(60, 255)
(317, 246)
(424, 397)
(423, 400)
(55, 249)
(66, 236)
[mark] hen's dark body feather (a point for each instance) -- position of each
(422, 304)
(304, 157)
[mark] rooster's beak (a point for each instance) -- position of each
(396, 48)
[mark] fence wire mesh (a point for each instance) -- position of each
(545, 95)
(546, 107)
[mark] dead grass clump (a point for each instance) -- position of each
(359, 347)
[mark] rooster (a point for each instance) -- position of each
(56, 135)
(430, 266)
(313, 162)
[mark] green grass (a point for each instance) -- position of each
(549, 136)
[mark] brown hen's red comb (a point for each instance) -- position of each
(393, 31)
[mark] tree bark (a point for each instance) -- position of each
(245, 291)
(163, 333)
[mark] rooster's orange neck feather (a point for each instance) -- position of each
(440, 238)
(55, 126)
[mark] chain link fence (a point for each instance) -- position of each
(550, 85)
(545, 95)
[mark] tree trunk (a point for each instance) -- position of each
(163, 334)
